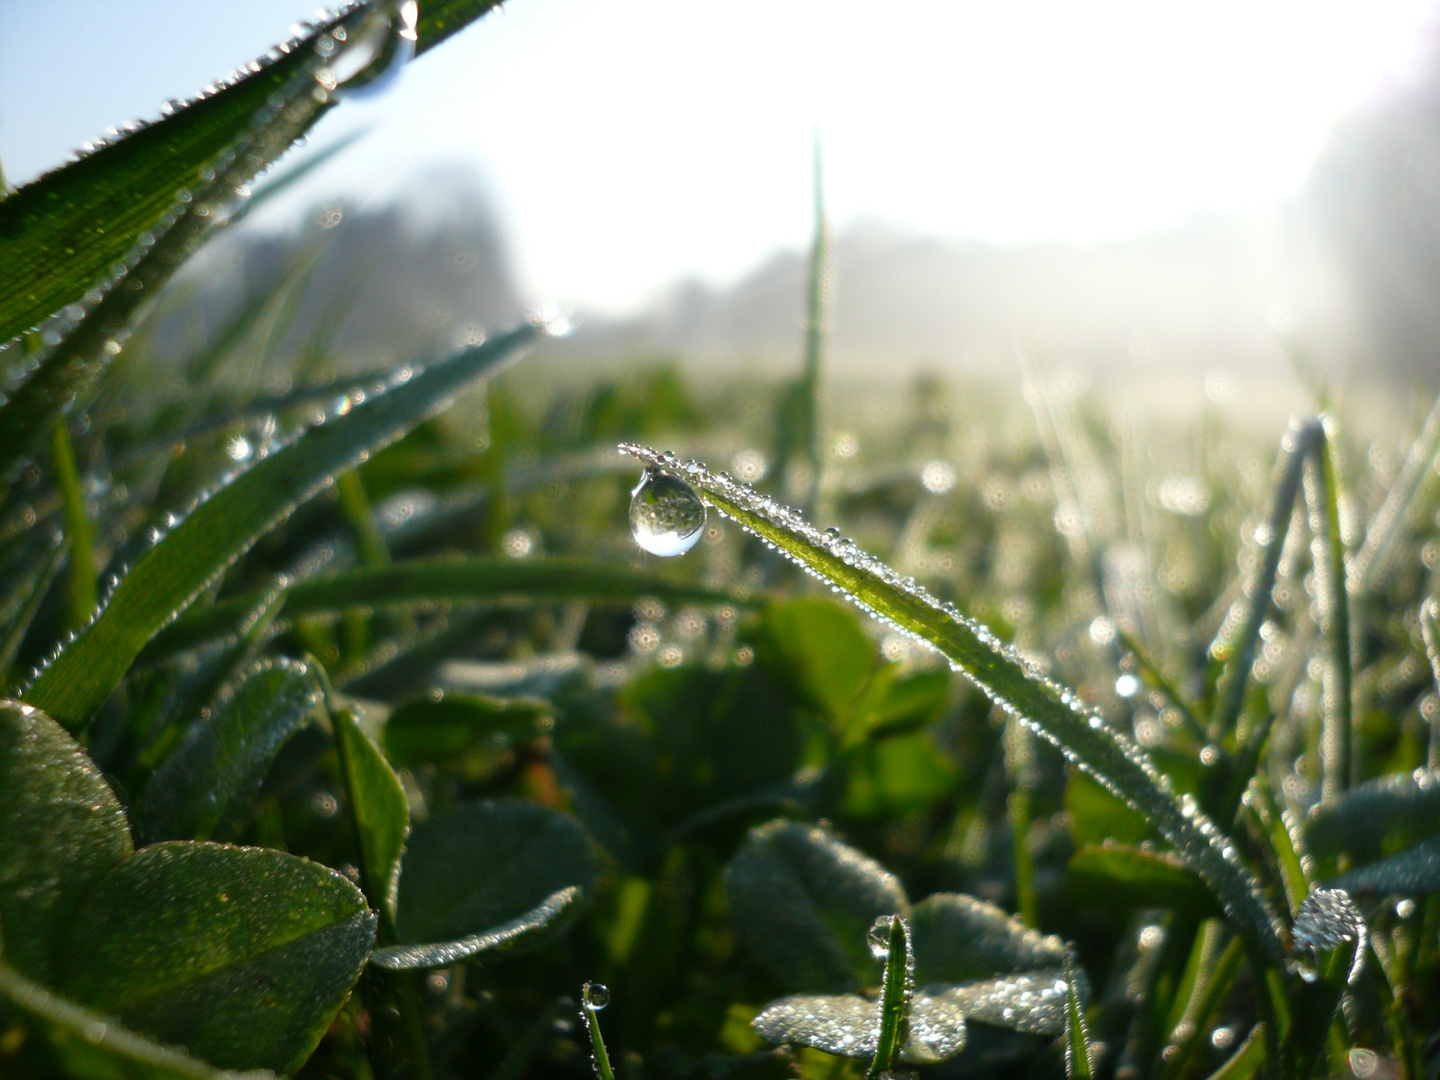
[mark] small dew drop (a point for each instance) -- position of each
(666, 515)
(595, 995)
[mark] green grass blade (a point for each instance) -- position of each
(381, 813)
(1332, 595)
(1079, 1058)
(1374, 554)
(594, 998)
(19, 608)
(1053, 712)
(98, 335)
(1214, 982)
(172, 574)
(83, 596)
(1247, 1059)
(1430, 632)
(1239, 652)
(895, 993)
(62, 232)
(429, 582)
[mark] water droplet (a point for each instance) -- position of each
(879, 937)
(369, 60)
(595, 995)
(666, 516)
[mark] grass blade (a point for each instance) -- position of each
(1328, 547)
(595, 997)
(172, 574)
(381, 813)
(422, 582)
(1079, 1058)
(1053, 712)
(1239, 651)
(1374, 553)
(62, 232)
(97, 337)
(895, 993)
(77, 529)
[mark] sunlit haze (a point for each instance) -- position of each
(632, 142)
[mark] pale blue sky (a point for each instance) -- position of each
(632, 141)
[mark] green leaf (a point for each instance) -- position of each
(802, 904)
(958, 938)
(241, 955)
(1131, 877)
(1032, 1002)
(477, 866)
(92, 1045)
(689, 746)
(61, 827)
(428, 582)
(818, 648)
(539, 921)
(441, 730)
(1112, 758)
(210, 779)
(380, 809)
(1376, 819)
(849, 1025)
(172, 574)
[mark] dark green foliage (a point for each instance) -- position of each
(212, 776)
(243, 955)
(60, 829)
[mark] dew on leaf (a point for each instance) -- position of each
(666, 516)
(595, 995)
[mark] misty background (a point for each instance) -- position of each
(1243, 300)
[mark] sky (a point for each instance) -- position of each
(628, 143)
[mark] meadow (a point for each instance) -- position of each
(463, 719)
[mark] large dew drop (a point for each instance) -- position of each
(666, 516)
(368, 59)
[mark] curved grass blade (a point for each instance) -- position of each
(1239, 651)
(62, 232)
(533, 924)
(381, 812)
(92, 1044)
(1053, 712)
(428, 582)
(173, 573)
(109, 311)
